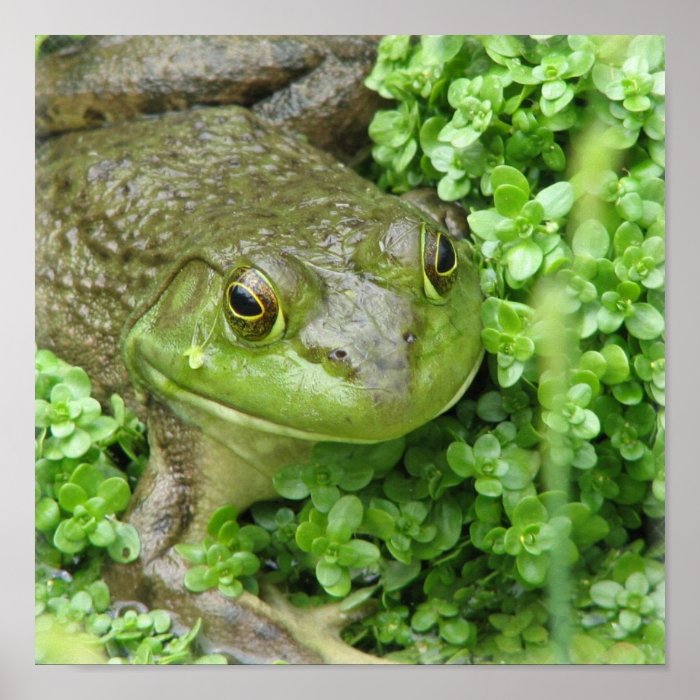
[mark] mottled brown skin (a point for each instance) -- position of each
(119, 207)
(122, 213)
(307, 85)
(312, 85)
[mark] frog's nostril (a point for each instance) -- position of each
(337, 354)
(409, 338)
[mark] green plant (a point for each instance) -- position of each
(225, 559)
(85, 462)
(520, 527)
(79, 488)
(329, 539)
(151, 642)
(554, 147)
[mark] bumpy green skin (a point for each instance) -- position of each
(137, 228)
(169, 210)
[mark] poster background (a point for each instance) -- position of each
(677, 19)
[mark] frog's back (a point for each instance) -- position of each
(118, 206)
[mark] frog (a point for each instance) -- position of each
(250, 296)
(309, 85)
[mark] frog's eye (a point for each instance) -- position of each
(439, 264)
(252, 306)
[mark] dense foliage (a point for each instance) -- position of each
(525, 526)
(86, 463)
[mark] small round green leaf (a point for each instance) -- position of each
(101, 428)
(484, 223)
(630, 206)
(127, 546)
(487, 447)
(592, 239)
(357, 598)
(247, 561)
(429, 133)
(99, 592)
(390, 128)
(507, 175)
(47, 515)
(116, 493)
(342, 587)
(305, 535)
(460, 457)
(450, 189)
(231, 590)
(488, 486)
(528, 511)
(358, 553)
(324, 497)
(456, 631)
(78, 382)
(645, 322)
(200, 578)
(557, 199)
(507, 376)
(328, 573)
(193, 553)
(396, 575)
(630, 621)
(347, 510)
(533, 568)
(438, 49)
(509, 200)
(288, 484)
(77, 444)
(103, 535)
(87, 477)
(523, 260)
(69, 538)
(423, 619)
(605, 593)
(71, 495)
(617, 367)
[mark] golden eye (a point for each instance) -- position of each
(439, 259)
(252, 307)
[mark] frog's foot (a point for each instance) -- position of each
(320, 627)
(253, 630)
(166, 509)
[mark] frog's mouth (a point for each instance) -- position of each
(216, 418)
(229, 393)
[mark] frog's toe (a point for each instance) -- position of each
(253, 630)
(332, 617)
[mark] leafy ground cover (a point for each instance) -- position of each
(525, 526)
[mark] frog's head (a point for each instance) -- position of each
(353, 329)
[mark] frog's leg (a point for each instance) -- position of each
(165, 511)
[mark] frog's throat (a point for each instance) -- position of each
(191, 404)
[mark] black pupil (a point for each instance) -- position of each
(243, 302)
(445, 256)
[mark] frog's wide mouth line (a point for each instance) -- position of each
(465, 385)
(183, 401)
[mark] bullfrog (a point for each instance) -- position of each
(308, 85)
(250, 296)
